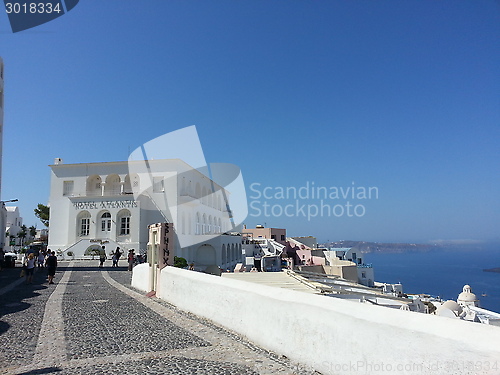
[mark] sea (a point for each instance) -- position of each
(443, 272)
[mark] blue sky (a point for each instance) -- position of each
(398, 95)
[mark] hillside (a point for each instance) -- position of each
(381, 247)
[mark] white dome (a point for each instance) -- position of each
(467, 295)
(450, 309)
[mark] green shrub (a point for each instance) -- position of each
(180, 262)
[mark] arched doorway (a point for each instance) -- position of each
(105, 224)
(93, 250)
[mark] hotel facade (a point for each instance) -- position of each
(112, 204)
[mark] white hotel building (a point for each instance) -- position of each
(93, 204)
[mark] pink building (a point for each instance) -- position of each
(308, 259)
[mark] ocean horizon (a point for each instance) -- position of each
(443, 272)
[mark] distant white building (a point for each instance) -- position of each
(107, 204)
(365, 271)
(13, 223)
(42, 233)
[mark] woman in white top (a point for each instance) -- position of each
(30, 267)
(41, 259)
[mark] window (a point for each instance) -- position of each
(363, 275)
(199, 228)
(84, 226)
(68, 188)
(158, 184)
(123, 223)
(282, 237)
(125, 226)
(106, 222)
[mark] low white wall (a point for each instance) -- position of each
(141, 277)
(335, 336)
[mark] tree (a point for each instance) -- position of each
(42, 212)
(22, 234)
(32, 230)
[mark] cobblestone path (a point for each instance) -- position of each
(92, 322)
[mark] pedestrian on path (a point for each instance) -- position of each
(131, 259)
(41, 259)
(102, 256)
(30, 263)
(51, 264)
(116, 257)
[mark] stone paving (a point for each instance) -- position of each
(93, 322)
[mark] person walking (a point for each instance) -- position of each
(51, 264)
(41, 259)
(30, 263)
(116, 257)
(131, 259)
(102, 256)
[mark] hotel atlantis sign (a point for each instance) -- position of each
(92, 205)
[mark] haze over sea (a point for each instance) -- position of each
(443, 272)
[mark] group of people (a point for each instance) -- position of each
(32, 260)
(47, 259)
(115, 256)
(132, 258)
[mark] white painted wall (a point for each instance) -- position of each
(335, 336)
(141, 277)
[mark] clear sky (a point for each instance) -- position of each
(401, 96)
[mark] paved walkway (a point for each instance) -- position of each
(92, 322)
